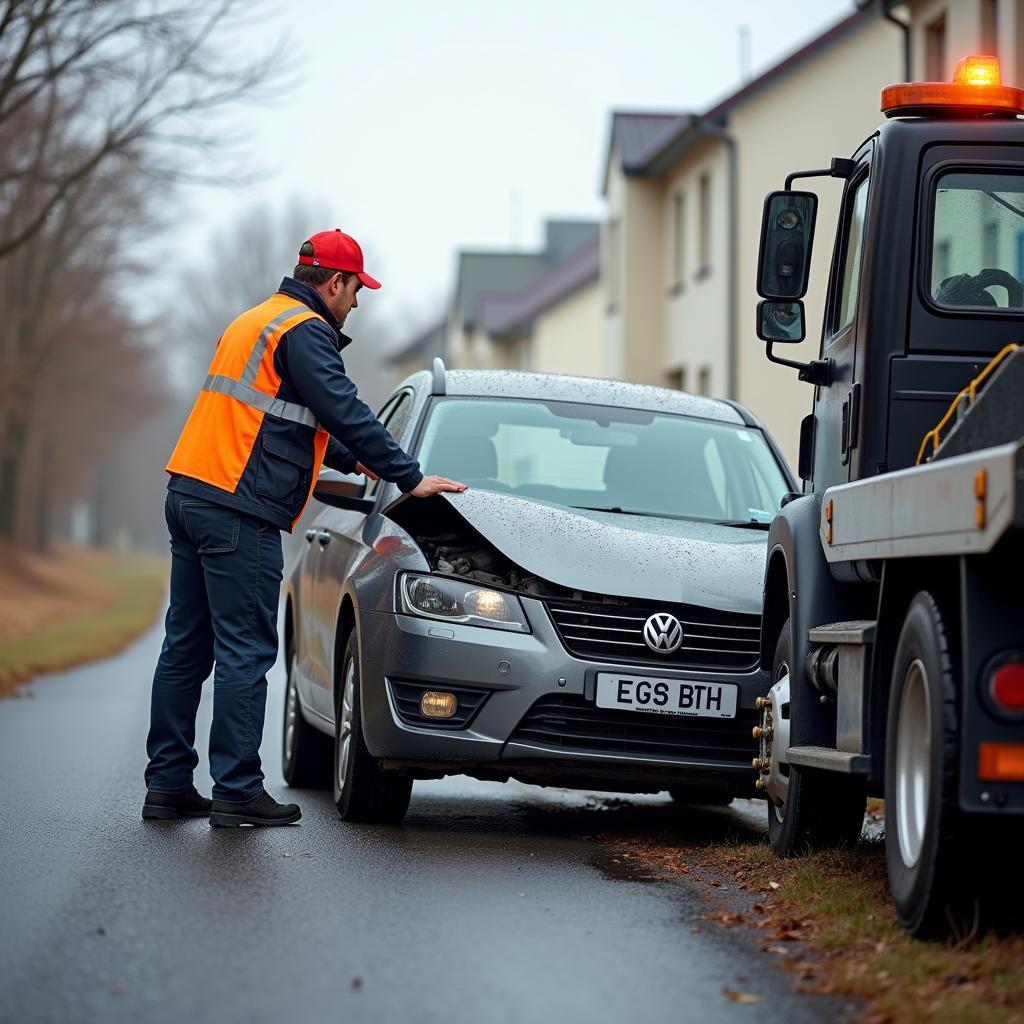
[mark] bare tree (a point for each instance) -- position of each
(90, 84)
(70, 345)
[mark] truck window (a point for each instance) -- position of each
(852, 255)
(978, 241)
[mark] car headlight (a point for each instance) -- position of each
(439, 597)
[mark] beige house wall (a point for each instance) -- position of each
(567, 338)
(964, 35)
(825, 107)
(633, 276)
(695, 284)
(613, 286)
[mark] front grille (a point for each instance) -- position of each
(574, 723)
(407, 703)
(712, 640)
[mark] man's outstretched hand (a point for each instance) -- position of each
(435, 485)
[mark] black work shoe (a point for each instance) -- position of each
(176, 805)
(261, 810)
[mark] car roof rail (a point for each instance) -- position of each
(438, 385)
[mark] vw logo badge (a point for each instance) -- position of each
(663, 633)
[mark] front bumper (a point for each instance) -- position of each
(518, 671)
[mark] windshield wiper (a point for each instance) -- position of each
(744, 524)
(614, 508)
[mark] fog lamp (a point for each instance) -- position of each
(438, 705)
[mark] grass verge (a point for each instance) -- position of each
(90, 606)
(827, 918)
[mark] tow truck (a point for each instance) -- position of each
(893, 620)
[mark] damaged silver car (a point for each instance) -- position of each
(587, 614)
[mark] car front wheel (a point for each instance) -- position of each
(362, 791)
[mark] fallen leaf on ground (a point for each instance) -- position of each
(741, 997)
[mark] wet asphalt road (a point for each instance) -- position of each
(491, 904)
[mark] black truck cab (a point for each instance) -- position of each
(925, 288)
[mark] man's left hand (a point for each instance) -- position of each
(368, 473)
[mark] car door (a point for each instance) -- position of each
(338, 545)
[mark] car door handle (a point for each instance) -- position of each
(323, 537)
(309, 535)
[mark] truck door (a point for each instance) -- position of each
(837, 406)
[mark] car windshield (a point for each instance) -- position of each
(978, 241)
(598, 457)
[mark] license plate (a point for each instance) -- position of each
(666, 696)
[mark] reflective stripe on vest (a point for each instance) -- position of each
(259, 399)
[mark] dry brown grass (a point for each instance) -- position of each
(71, 606)
(827, 918)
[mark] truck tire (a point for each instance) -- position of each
(362, 791)
(822, 810)
(928, 869)
(305, 751)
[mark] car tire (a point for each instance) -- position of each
(822, 810)
(305, 751)
(701, 796)
(362, 791)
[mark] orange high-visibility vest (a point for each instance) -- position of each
(240, 390)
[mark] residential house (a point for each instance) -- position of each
(684, 195)
(520, 310)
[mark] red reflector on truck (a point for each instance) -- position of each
(1007, 688)
(1001, 762)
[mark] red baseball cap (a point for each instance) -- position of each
(334, 250)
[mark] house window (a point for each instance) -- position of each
(989, 27)
(676, 378)
(678, 240)
(935, 50)
(613, 272)
(704, 227)
(704, 380)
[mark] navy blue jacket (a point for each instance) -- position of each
(276, 480)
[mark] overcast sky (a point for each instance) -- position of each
(430, 127)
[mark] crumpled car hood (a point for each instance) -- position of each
(670, 560)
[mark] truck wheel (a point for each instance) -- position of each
(362, 792)
(807, 809)
(305, 751)
(928, 873)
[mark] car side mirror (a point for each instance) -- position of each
(781, 321)
(787, 231)
(343, 490)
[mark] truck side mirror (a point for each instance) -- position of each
(781, 321)
(784, 259)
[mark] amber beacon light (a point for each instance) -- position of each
(976, 90)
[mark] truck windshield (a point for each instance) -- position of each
(599, 457)
(978, 241)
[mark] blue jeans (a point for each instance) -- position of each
(226, 572)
